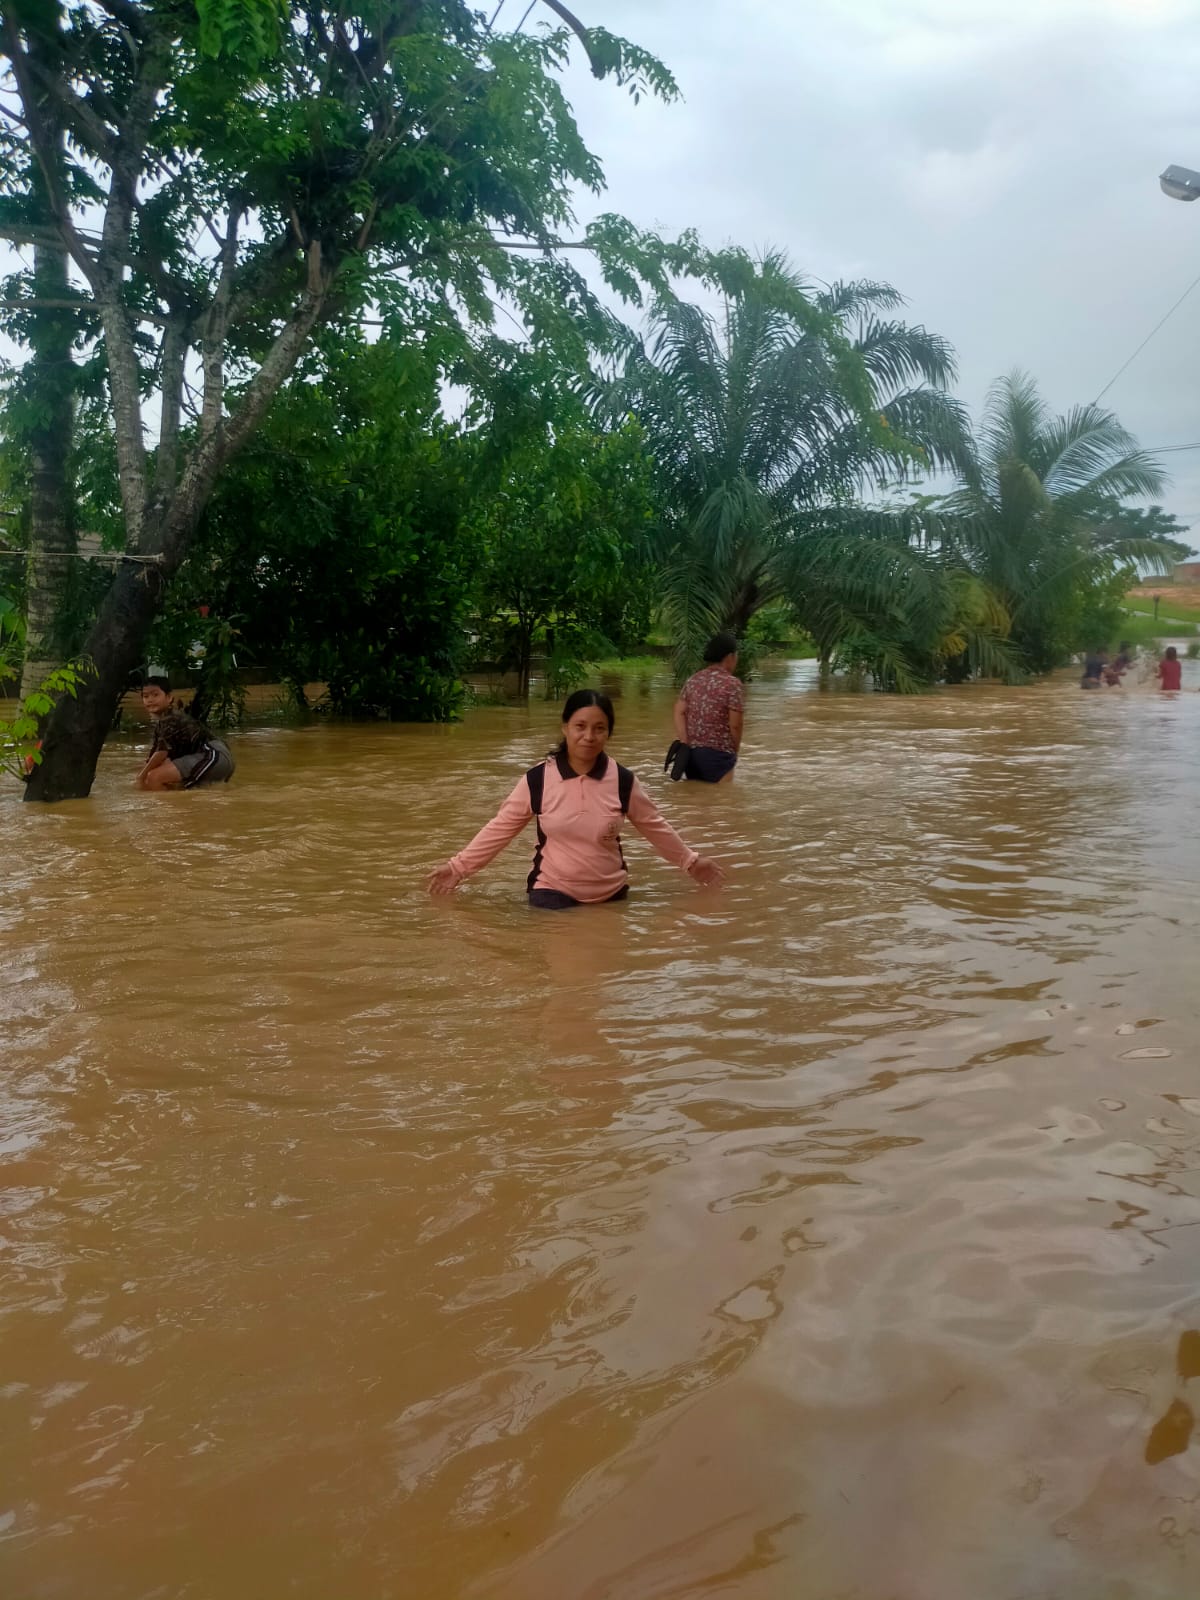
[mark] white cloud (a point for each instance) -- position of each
(995, 159)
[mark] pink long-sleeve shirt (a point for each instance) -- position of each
(579, 827)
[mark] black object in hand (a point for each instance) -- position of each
(677, 759)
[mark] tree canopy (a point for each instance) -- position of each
(781, 407)
(313, 349)
(225, 179)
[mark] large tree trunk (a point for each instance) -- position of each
(77, 730)
(49, 400)
(50, 392)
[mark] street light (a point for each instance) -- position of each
(1180, 183)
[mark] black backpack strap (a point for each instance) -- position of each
(624, 788)
(536, 779)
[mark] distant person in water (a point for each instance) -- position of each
(1095, 665)
(709, 717)
(579, 797)
(183, 753)
(1120, 664)
(1170, 669)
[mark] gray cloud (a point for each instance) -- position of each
(997, 162)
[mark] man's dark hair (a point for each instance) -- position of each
(720, 646)
(157, 683)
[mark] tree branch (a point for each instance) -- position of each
(128, 14)
(532, 244)
(45, 152)
(19, 233)
(577, 28)
(78, 113)
(171, 378)
(125, 163)
(211, 452)
(42, 303)
(124, 375)
(259, 275)
(216, 326)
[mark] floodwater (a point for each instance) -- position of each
(831, 1236)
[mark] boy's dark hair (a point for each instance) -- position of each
(720, 646)
(157, 682)
(1172, 653)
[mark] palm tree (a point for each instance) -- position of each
(886, 593)
(1033, 518)
(765, 421)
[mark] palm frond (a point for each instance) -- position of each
(1014, 417)
(858, 298)
(897, 355)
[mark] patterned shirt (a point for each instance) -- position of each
(708, 697)
(177, 734)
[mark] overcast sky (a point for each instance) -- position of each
(995, 160)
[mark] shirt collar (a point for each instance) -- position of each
(566, 771)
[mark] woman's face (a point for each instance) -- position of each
(586, 735)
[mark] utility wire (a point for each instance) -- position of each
(1147, 339)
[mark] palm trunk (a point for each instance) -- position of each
(743, 607)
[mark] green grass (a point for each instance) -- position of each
(1140, 628)
(1183, 610)
(631, 664)
(802, 649)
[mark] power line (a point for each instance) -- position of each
(1147, 340)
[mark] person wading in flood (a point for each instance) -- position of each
(1170, 669)
(183, 754)
(709, 717)
(579, 797)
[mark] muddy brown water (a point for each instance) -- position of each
(836, 1234)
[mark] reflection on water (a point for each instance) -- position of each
(831, 1235)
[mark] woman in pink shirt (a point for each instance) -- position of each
(579, 797)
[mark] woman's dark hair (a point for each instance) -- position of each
(720, 646)
(576, 702)
(1172, 653)
(157, 683)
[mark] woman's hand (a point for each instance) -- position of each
(706, 872)
(442, 880)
